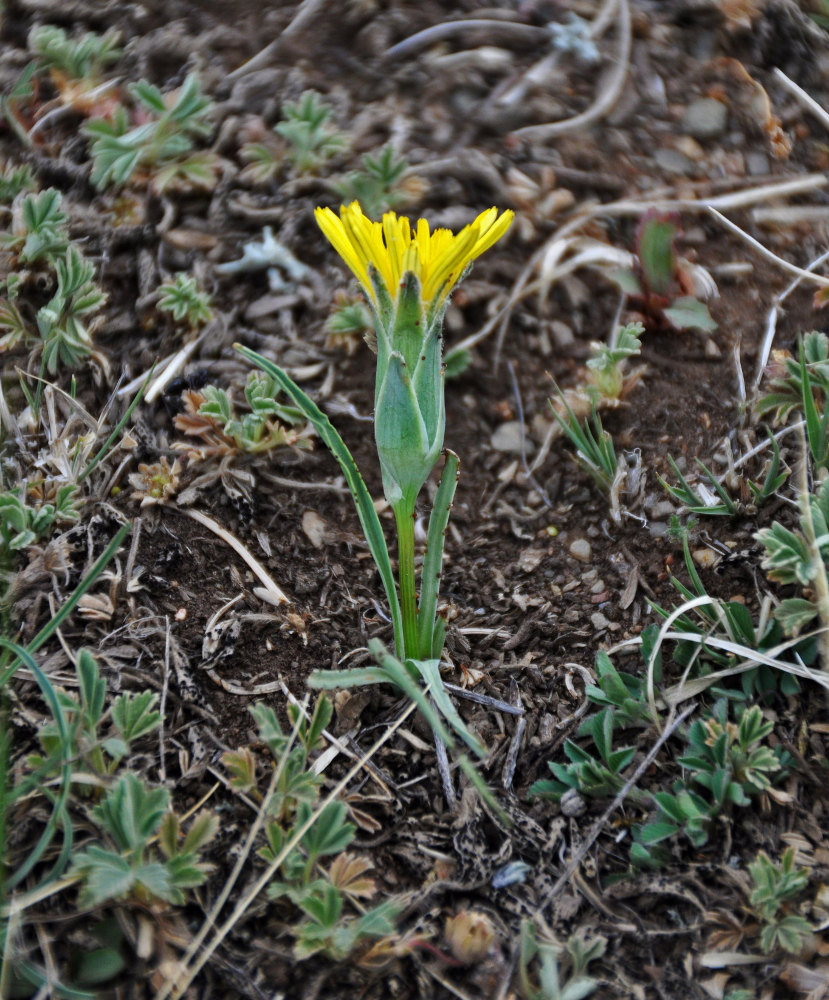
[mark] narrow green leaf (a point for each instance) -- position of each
(365, 507)
(58, 815)
(433, 557)
(430, 671)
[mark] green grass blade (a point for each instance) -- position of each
(430, 671)
(398, 675)
(815, 426)
(372, 528)
(58, 814)
(55, 623)
(731, 507)
(482, 788)
(699, 586)
(433, 557)
(117, 429)
(331, 680)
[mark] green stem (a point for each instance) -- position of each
(404, 516)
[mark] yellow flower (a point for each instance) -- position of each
(437, 258)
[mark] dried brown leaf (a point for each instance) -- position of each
(347, 873)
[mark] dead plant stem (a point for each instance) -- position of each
(674, 722)
(177, 988)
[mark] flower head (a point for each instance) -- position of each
(391, 248)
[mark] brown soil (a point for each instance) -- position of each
(529, 617)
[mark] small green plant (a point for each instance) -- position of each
(730, 761)
(319, 894)
(39, 242)
(349, 322)
(792, 379)
(733, 622)
(268, 424)
(132, 716)
(699, 499)
(607, 364)
(800, 557)
(661, 284)
(309, 133)
(75, 67)
(774, 478)
(592, 777)
(620, 691)
(262, 160)
(15, 180)
(775, 887)
(407, 281)
(306, 127)
(63, 322)
(129, 819)
(160, 149)
(22, 525)
(577, 952)
(595, 451)
(38, 228)
(185, 302)
(803, 385)
(82, 58)
(120, 862)
(40, 798)
(377, 185)
(311, 139)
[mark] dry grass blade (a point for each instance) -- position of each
(193, 964)
(785, 265)
(606, 99)
(595, 830)
(270, 591)
(524, 286)
(807, 100)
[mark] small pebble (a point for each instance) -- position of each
(705, 558)
(315, 528)
(599, 621)
(705, 118)
(673, 162)
(691, 148)
(508, 436)
(562, 334)
(581, 549)
(757, 164)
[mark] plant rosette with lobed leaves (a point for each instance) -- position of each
(407, 274)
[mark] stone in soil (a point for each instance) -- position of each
(508, 438)
(705, 118)
(581, 549)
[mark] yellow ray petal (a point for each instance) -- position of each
(335, 233)
(391, 247)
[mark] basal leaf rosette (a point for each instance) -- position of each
(407, 274)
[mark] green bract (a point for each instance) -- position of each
(409, 409)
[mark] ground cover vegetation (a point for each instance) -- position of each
(284, 711)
